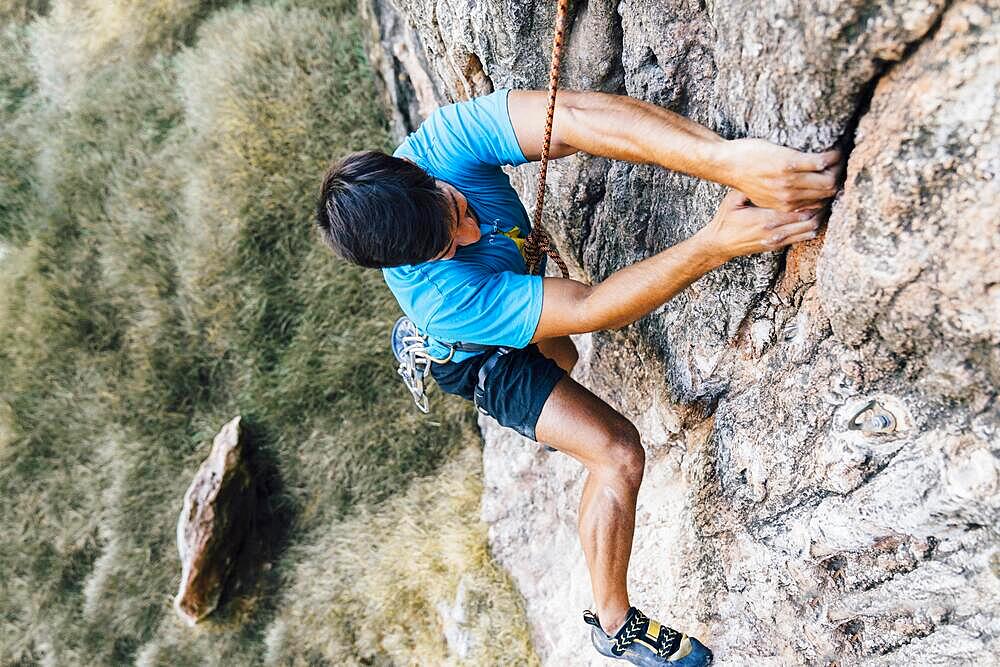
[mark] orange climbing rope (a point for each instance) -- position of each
(538, 240)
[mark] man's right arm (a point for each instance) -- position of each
(570, 307)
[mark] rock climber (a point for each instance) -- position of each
(441, 220)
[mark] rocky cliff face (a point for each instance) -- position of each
(785, 518)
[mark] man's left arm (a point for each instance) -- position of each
(623, 128)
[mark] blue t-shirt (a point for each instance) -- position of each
(483, 294)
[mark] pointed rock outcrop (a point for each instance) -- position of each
(213, 524)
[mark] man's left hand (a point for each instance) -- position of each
(781, 178)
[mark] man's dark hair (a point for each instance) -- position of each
(376, 210)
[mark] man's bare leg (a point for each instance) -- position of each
(580, 424)
(560, 350)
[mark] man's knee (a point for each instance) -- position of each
(622, 455)
(561, 350)
(572, 356)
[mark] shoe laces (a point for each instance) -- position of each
(667, 640)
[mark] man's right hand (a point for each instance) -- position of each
(740, 228)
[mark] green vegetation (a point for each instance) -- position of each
(159, 274)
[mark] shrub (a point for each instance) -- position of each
(76, 38)
(17, 144)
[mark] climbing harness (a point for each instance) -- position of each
(538, 240)
(479, 396)
(409, 347)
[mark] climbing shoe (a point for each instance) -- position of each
(642, 641)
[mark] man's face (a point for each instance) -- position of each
(464, 226)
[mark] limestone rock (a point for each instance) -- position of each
(454, 617)
(213, 523)
(408, 91)
(767, 526)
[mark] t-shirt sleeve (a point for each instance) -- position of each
(499, 309)
(470, 136)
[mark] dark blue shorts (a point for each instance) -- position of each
(515, 389)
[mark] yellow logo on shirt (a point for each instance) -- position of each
(515, 235)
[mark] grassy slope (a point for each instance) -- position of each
(162, 277)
